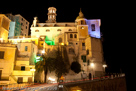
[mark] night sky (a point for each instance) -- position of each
(110, 14)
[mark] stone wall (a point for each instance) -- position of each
(116, 84)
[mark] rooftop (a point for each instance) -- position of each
(65, 24)
(7, 44)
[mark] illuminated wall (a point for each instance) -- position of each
(82, 31)
(4, 27)
(7, 62)
(5, 23)
(25, 58)
(94, 33)
(52, 33)
(30, 52)
(0, 20)
(95, 54)
(18, 40)
(11, 30)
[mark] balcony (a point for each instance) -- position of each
(22, 58)
(21, 73)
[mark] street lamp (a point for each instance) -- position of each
(104, 66)
(43, 51)
(32, 70)
(92, 65)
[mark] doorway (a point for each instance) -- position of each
(20, 80)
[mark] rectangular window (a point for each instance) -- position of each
(26, 48)
(93, 27)
(1, 54)
(83, 58)
(23, 68)
(87, 52)
(83, 46)
(71, 35)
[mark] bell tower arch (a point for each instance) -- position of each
(51, 15)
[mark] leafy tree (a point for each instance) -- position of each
(76, 67)
(61, 63)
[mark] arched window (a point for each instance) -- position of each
(70, 30)
(82, 27)
(36, 30)
(59, 30)
(82, 22)
(75, 35)
(93, 27)
(47, 30)
(60, 40)
(71, 35)
(53, 11)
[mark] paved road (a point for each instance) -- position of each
(42, 87)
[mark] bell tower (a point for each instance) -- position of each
(51, 15)
(80, 20)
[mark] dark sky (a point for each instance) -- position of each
(110, 13)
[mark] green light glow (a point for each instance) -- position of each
(48, 41)
(38, 58)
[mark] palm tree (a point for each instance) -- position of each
(47, 64)
(59, 64)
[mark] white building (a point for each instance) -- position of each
(19, 26)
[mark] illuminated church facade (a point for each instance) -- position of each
(81, 38)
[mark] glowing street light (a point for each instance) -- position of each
(104, 66)
(92, 66)
(51, 79)
(43, 51)
(1, 39)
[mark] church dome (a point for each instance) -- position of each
(81, 15)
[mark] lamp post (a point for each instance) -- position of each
(104, 66)
(32, 70)
(92, 66)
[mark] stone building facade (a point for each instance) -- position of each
(81, 38)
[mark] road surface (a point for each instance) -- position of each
(42, 87)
